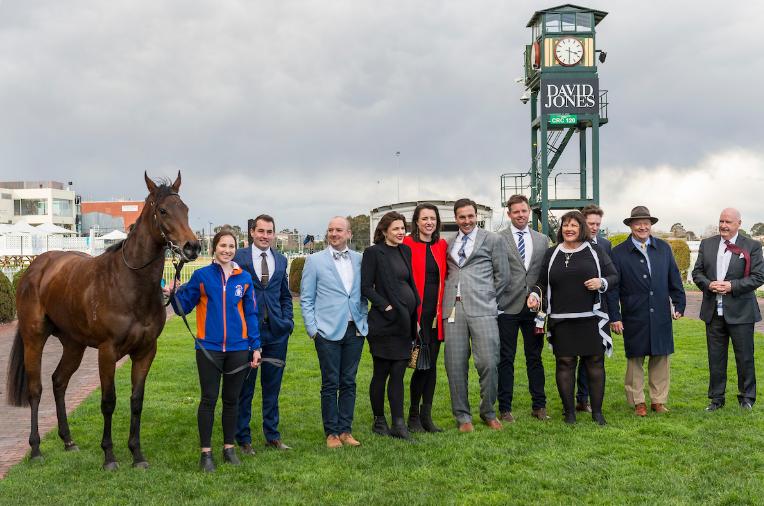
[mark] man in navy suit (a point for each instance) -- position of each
(274, 303)
(593, 215)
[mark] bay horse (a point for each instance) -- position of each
(112, 302)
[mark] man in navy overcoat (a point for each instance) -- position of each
(649, 295)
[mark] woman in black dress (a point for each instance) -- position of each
(574, 275)
(387, 282)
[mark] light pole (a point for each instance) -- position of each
(398, 175)
(209, 244)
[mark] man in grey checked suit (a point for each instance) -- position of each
(478, 270)
(525, 249)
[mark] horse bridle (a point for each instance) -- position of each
(174, 248)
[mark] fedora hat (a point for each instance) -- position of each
(640, 213)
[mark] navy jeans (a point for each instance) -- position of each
(270, 385)
(339, 364)
(509, 327)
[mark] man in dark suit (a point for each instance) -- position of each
(728, 270)
(274, 302)
(525, 250)
(593, 215)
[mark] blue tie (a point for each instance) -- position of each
(521, 244)
(462, 254)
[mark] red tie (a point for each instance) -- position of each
(737, 250)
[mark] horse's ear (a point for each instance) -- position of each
(151, 185)
(176, 184)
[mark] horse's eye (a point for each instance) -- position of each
(162, 211)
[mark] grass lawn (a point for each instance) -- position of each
(684, 457)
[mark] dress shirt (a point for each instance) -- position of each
(257, 262)
(344, 268)
(528, 243)
(467, 247)
(723, 257)
(643, 251)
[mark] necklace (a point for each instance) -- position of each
(567, 258)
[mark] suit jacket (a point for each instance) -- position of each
(324, 301)
(642, 298)
(604, 245)
(379, 287)
(484, 275)
(740, 306)
(513, 299)
(276, 297)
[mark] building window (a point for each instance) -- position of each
(583, 22)
(569, 22)
(6, 196)
(552, 22)
(62, 207)
(30, 207)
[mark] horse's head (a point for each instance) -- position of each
(169, 218)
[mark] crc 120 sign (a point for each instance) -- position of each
(570, 96)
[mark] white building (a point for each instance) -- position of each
(445, 210)
(37, 202)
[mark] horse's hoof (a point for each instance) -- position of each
(71, 447)
(141, 465)
(110, 466)
(37, 459)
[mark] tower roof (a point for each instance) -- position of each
(598, 15)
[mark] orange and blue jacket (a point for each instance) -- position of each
(226, 311)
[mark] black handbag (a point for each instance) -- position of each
(420, 354)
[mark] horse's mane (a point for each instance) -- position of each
(115, 247)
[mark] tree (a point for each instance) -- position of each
(677, 230)
(757, 229)
(710, 230)
(360, 226)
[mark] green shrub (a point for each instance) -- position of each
(295, 274)
(681, 251)
(617, 239)
(7, 299)
(17, 278)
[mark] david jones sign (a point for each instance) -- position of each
(576, 96)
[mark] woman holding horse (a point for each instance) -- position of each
(227, 329)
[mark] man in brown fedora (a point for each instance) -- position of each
(641, 307)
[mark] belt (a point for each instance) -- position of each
(458, 298)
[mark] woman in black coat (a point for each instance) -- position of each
(574, 275)
(387, 282)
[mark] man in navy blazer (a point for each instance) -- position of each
(268, 268)
(335, 316)
(593, 215)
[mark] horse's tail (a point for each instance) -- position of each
(16, 382)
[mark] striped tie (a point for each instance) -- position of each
(521, 244)
(462, 254)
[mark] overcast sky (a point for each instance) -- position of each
(297, 108)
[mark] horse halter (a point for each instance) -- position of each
(174, 249)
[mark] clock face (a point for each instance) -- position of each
(568, 51)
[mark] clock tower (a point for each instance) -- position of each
(562, 86)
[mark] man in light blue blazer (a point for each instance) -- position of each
(334, 313)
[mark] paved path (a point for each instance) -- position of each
(14, 422)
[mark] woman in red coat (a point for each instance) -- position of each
(428, 262)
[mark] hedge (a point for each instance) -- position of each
(17, 278)
(295, 274)
(617, 239)
(681, 251)
(7, 300)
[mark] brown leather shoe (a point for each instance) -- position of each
(584, 406)
(466, 427)
(246, 449)
(277, 444)
(540, 414)
(507, 417)
(347, 439)
(659, 408)
(640, 409)
(493, 424)
(333, 441)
